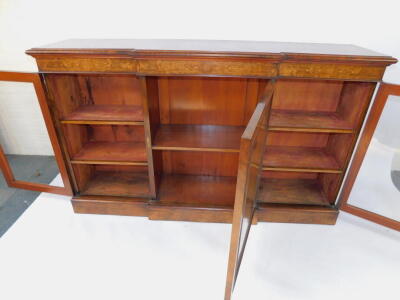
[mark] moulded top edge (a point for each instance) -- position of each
(171, 47)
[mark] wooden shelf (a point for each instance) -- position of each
(196, 190)
(288, 120)
(198, 138)
(126, 153)
(106, 114)
(299, 158)
(109, 183)
(291, 191)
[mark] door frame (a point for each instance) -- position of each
(38, 85)
(246, 190)
(385, 90)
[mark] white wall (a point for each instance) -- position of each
(27, 23)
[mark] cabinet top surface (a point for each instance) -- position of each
(207, 47)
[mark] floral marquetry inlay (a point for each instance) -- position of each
(334, 71)
(204, 67)
(96, 64)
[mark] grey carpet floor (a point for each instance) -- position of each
(13, 202)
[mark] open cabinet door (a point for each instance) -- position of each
(373, 180)
(252, 146)
(12, 181)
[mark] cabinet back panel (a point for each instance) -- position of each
(200, 163)
(308, 95)
(72, 91)
(288, 175)
(297, 139)
(330, 185)
(76, 136)
(112, 180)
(113, 133)
(355, 100)
(212, 101)
(117, 168)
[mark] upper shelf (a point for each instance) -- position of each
(198, 138)
(287, 120)
(106, 114)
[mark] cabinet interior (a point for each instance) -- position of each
(312, 131)
(95, 97)
(195, 126)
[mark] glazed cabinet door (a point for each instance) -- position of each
(252, 146)
(28, 83)
(372, 187)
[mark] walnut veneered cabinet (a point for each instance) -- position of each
(208, 131)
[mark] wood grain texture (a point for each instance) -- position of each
(105, 113)
(86, 64)
(194, 198)
(307, 95)
(215, 48)
(96, 142)
(206, 67)
(203, 101)
(110, 205)
(252, 147)
(309, 121)
(307, 152)
(140, 207)
(190, 214)
(291, 191)
(198, 138)
(208, 163)
(297, 139)
(276, 213)
(299, 157)
(305, 214)
(213, 58)
(112, 151)
(331, 71)
(146, 92)
(197, 191)
(114, 183)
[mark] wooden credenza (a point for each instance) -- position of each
(208, 131)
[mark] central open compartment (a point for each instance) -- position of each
(196, 125)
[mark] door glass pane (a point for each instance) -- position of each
(377, 187)
(23, 135)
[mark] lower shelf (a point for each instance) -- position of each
(114, 183)
(199, 191)
(194, 198)
(303, 214)
(291, 191)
